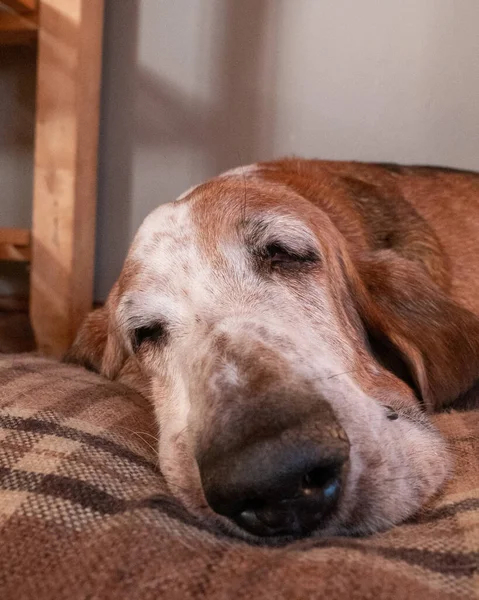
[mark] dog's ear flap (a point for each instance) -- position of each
(434, 338)
(97, 345)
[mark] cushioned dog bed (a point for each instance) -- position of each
(85, 513)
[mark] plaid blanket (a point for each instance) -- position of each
(85, 513)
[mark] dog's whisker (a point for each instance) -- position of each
(342, 373)
(176, 487)
(240, 162)
(138, 434)
(404, 478)
(154, 437)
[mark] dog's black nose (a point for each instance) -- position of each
(276, 487)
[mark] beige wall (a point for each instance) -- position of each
(192, 87)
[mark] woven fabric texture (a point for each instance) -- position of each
(85, 513)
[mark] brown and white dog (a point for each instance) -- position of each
(293, 323)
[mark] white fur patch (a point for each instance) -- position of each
(245, 171)
(189, 191)
(166, 247)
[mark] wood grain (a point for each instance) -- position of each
(20, 5)
(17, 30)
(11, 252)
(15, 236)
(14, 244)
(67, 118)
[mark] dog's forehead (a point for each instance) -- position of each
(178, 252)
(198, 241)
(197, 222)
(167, 238)
(170, 221)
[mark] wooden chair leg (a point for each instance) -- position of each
(65, 176)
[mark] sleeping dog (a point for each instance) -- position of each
(294, 323)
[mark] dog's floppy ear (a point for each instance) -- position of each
(97, 345)
(417, 325)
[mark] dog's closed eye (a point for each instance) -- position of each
(154, 333)
(280, 256)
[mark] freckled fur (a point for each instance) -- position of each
(250, 353)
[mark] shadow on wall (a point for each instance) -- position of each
(116, 140)
(142, 111)
(234, 128)
(247, 83)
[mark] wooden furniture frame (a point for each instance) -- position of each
(60, 246)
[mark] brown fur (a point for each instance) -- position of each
(400, 259)
(414, 235)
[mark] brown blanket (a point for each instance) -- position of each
(84, 512)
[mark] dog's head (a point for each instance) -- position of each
(287, 367)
